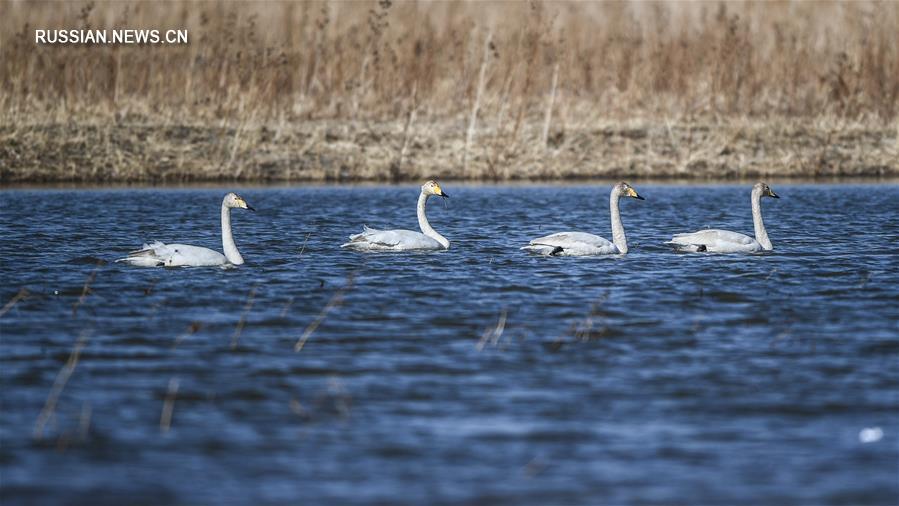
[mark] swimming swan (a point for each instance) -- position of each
(583, 244)
(725, 241)
(404, 240)
(158, 254)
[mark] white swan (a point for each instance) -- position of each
(583, 244)
(157, 254)
(404, 240)
(725, 241)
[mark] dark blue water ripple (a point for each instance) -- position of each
(654, 378)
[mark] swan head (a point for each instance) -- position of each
(433, 188)
(234, 200)
(764, 190)
(627, 190)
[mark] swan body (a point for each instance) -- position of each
(158, 254)
(725, 241)
(398, 240)
(584, 244)
(572, 244)
(404, 240)
(717, 241)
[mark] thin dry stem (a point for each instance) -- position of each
(493, 335)
(85, 290)
(243, 317)
(335, 301)
(22, 293)
(58, 385)
(476, 106)
(168, 405)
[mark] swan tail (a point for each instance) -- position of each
(142, 261)
(356, 240)
(147, 247)
(144, 257)
(359, 240)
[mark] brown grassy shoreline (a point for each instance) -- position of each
(395, 91)
(327, 151)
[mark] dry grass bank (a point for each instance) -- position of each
(338, 150)
(382, 90)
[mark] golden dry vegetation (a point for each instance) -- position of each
(478, 90)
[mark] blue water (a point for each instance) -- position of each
(653, 378)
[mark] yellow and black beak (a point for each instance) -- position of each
(772, 194)
(633, 193)
(439, 191)
(251, 208)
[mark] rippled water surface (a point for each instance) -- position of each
(477, 375)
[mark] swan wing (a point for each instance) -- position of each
(151, 254)
(373, 239)
(715, 241)
(158, 254)
(571, 244)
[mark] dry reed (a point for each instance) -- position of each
(168, 405)
(335, 301)
(85, 290)
(502, 87)
(59, 384)
(493, 334)
(21, 294)
(192, 329)
(251, 297)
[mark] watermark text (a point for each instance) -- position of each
(115, 36)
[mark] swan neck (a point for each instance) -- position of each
(618, 236)
(761, 235)
(423, 224)
(228, 245)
